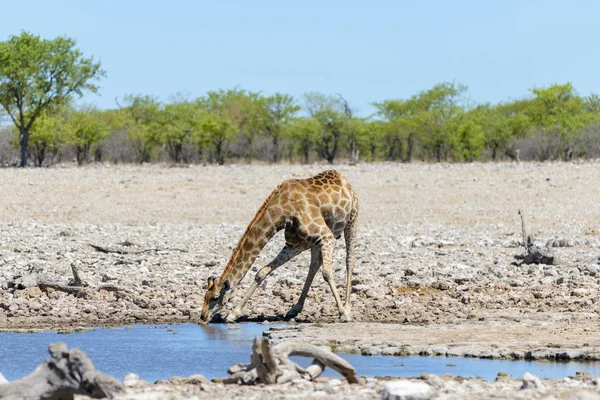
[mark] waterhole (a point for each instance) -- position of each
(161, 351)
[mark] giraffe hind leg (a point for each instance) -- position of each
(327, 246)
(350, 239)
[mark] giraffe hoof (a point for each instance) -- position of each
(231, 318)
(345, 318)
(291, 314)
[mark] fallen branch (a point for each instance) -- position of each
(81, 291)
(66, 373)
(533, 254)
(116, 250)
(108, 250)
(76, 290)
(271, 364)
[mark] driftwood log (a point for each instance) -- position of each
(65, 374)
(271, 364)
(533, 254)
(80, 288)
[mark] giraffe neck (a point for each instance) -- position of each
(261, 229)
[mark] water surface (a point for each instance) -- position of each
(161, 351)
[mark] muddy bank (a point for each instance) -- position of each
(543, 338)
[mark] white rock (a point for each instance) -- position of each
(3, 380)
(531, 381)
(131, 380)
(404, 389)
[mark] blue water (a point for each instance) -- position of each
(161, 351)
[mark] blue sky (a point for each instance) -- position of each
(367, 51)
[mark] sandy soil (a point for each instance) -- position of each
(435, 253)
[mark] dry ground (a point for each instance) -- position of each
(435, 249)
(435, 273)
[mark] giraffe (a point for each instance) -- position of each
(314, 212)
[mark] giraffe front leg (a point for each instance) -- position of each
(237, 311)
(327, 250)
(286, 254)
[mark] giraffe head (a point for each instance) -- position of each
(214, 298)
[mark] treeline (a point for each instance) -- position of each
(437, 124)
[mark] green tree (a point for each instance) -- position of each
(218, 131)
(279, 110)
(327, 110)
(141, 119)
(559, 109)
(469, 140)
(372, 133)
(87, 129)
(402, 128)
(495, 125)
(179, 125)
(304, 134)
(245, 110)
(37, 74)
(47, 135)
(438, 106)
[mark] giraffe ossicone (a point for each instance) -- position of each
(313, 213)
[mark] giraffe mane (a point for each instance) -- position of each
(238, 248)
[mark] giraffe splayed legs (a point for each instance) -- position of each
(314, 212)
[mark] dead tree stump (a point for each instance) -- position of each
(533, 254)
(65, 374)
(271, 364)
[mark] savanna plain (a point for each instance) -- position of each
(435, 273)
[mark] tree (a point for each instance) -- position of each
(46, 136)
(245, 110)
(437, 107)
(469, 141)
(217, 131)
(37, 74)
(559, 109)
(141, 121)
(279, 110)
(353, 129)
(304, 133)
(179, 123)
(495, 125)
(327, 110)
(402, 125)
(87, 129)
(372, 133)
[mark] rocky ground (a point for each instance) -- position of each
(435, 253)
(580, 387)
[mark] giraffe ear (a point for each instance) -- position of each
(211, 282)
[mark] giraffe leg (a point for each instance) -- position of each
(328, 243)
(285, 255)
(315, 264)
(350, 239)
